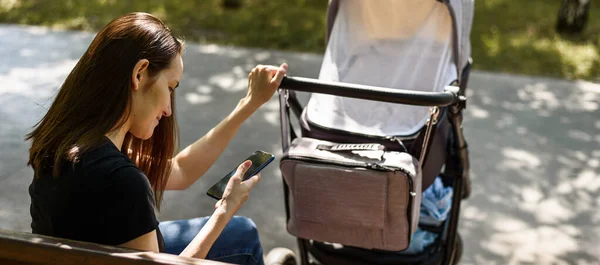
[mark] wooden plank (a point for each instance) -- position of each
(13, 262)
(25, 248)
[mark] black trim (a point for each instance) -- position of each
(383, 94)
(464, 80)
(394, 139)
(432, 254)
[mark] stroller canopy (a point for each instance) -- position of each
(390, 43)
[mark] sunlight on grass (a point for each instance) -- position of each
(7, 4)
(576, 60)
(520, 37)
(492, 42)
(491, 3)
(507, 36)
(581, 57)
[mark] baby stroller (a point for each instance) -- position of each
(382, 124)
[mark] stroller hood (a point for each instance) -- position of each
(399, 44)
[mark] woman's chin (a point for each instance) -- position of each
(144, 135)
(148, 135)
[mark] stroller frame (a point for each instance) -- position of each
(456, 167)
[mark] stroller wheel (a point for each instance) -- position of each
(280, 256)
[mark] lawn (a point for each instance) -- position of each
(508, 36)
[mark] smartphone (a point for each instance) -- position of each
(260, 159)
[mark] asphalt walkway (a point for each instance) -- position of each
(535, 147)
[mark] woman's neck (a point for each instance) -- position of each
(117, 136)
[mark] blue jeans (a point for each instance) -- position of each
(238, 243)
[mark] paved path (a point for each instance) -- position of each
(535, 147)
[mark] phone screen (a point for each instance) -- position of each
(260, 160)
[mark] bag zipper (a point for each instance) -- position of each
(411, 194)
(374, 166)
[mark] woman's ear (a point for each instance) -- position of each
(139, 74)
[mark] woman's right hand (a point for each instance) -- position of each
(263, 81)
(237, 191)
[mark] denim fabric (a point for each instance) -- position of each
(238, 243)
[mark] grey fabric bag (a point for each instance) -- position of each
(353, 194)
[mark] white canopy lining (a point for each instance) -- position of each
(391, 43)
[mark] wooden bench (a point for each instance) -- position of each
(19, 248)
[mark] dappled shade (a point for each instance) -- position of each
(534, 147)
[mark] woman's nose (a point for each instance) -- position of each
(168, 111)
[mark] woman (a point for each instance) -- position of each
(103, 154)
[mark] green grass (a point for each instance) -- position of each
(508, 36)
(520, 37)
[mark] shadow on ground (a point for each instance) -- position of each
(534, 147)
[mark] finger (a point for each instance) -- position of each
(239, 173)
(218, 204)
(281, 72)
(251, 182)
(235, 179)
(273, 69)
(242, 168)
(255, 71)
(258, 177)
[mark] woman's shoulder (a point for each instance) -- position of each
(103, 158)
(107, 163)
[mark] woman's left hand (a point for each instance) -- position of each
(263, 81)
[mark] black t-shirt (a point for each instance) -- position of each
(104, 198)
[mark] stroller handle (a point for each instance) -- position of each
(384, 94)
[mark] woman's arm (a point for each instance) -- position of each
(147, 242)
(207, 236)
(201, 244)
(192, 162)
(235, 194)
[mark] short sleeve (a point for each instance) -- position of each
(130, 206)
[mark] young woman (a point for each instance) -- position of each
(104, 152)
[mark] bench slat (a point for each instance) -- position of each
(21, 248)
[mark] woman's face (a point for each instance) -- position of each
(152, 97)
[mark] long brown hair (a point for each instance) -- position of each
(95, 99)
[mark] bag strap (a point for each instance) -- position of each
(288, 102)
(434, 113)
(284, 113)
